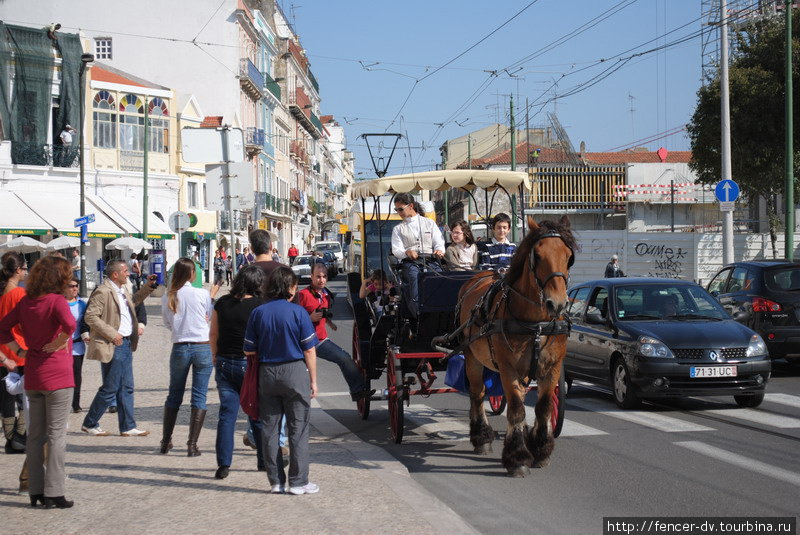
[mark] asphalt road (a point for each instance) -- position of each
(694, 457)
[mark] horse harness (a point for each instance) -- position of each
(484, 314)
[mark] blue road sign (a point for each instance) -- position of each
(727, 191)
(85, 220)
(84, 233)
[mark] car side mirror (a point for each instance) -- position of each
(715, 293)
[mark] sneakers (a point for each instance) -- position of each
(95, 431)
(112, 409)
(247, 442)
(277, 489)
(309, 488)
(356, 396)
(135, 433)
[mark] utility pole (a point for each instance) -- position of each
(144, 175)
(725, 129)
(789, 234)
(85, 60)
(513, 168)
(226, 181)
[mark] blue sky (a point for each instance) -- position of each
(367, 56)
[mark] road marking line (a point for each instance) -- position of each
(654, 420)
(332, 394)
(569, 429)
(742, 461)
(758, 417)
(442, 423)
(784, 399)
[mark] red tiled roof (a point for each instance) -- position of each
(326, 119)
(503, 157)
(211, 121)
(99, 74)
(677, 156)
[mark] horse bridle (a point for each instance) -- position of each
(571, 261)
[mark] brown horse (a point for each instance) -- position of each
(502, 336)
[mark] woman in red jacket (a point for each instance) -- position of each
(12, 272)
(47, 326)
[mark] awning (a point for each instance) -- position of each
(440, 181)
(131, 220)
(60, 210)
(17, 218)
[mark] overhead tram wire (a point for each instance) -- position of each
(648, 139)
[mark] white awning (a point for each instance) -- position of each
(18, 218)
(131, 220)
(60, 210)
(441, 180)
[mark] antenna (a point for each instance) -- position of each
(631, 100)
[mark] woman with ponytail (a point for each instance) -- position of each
(186, 311)
(12, 272)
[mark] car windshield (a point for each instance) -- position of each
(783, 280)
(334, 247)
(302, 260)
(643, 302)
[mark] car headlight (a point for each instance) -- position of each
(652, 347)
(756, 347)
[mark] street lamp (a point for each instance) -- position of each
(85, 60)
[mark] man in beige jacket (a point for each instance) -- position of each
(114, 335)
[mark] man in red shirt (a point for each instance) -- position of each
(292, 254)
(318, 301)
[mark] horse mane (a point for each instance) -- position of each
(516, 269)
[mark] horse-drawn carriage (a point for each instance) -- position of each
(511, 324)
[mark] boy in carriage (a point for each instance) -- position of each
(496, 255)
(378, 290)
(416, 235)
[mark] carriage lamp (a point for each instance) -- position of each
(652, 347)
(757, 347)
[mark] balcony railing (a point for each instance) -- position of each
(315, 120)
(131, 160)
(254, 137)
(250, 77)
(276, 204)
(30, 153)
(313, 81)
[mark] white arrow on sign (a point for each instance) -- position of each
(727, 187)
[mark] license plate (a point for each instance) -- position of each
(712, 371)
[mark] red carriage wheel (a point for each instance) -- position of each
(559, 407)
(394, 379)
(497, 404)
(362, 404)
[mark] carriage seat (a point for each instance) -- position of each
(438, 292)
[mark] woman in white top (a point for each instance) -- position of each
(186, 310)
(462, 254)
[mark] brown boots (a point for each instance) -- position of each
(195, 426)
(170, 415)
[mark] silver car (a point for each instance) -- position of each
(302, 267)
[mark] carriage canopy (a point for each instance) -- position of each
(469, 179)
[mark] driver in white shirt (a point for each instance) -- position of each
(416, 235)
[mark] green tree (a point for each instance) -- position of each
(757, 107)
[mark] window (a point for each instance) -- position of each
(105, 122)
(131, 127)
(159, 127)
(577, 302)
(717, 285)
(191, 194)
(102, 48)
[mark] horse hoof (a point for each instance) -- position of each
(520, 471)
(483, 449)
(541, 463)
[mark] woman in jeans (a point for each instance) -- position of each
(186, 310)
(228, 323)
(282, 337)
(47, 326)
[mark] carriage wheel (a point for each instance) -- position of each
(497, 404)
(559, 407)
(394, 379)
(362, 404)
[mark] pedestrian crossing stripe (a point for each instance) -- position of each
(784, 399)
(654, 420)
(758, 417)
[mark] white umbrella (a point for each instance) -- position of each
(63, 242)
(22, 245)
(128, 242)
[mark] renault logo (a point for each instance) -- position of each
(713, 355)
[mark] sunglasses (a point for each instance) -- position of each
(401, 208)
(72, 286)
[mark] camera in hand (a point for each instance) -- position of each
(326, 312)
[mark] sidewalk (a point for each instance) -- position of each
(121, 485)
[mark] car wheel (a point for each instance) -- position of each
(624, 396)
(749, 400)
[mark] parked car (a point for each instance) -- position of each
(765, 296)
(332, 247)
(302, 267)
(655, 338)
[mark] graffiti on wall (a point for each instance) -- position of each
(664, 261)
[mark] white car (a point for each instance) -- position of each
(331, 247)
(302, 267)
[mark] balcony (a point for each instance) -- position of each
(313, 81)
(31, 153)
(276, 204)
(272, 86)
(254, 140)
(251, 79)
(298, 55)
(300, 106)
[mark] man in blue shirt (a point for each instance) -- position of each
(497, 253)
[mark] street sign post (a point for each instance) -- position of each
(178, 222)
(85, 220)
